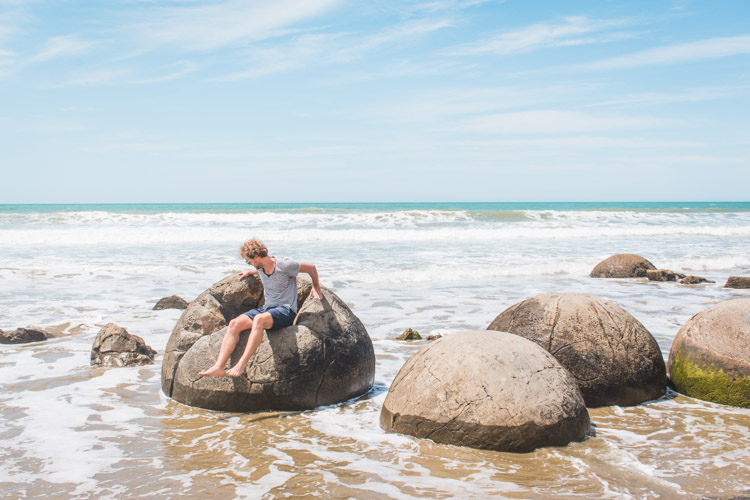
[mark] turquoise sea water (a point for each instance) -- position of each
(434, 267)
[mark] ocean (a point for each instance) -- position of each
(70, 430)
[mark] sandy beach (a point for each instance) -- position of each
(73, 430)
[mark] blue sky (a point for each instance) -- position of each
(342, 101)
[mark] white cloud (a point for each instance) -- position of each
(61, 46)
(95, 77)
(183, 69)
(334, 48)
(542, 35)
(555, 122)
(209, 27)
(712, 48)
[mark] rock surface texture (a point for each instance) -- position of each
(24, 336)
(663, 275)
(694, 280)
(710, 356)
(114, 346)
(484, 389)
(738, 282)
(623, 265)
(613, 358)
(171, 302)
(326, 357)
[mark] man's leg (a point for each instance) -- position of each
(261, 322)
(236, 326)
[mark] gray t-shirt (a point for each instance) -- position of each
(280, 287)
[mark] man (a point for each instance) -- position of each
(279, 277)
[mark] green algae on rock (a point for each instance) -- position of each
(709, 383)
(710, 356)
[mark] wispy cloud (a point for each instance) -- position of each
(572, 31)
(61, 46)
(182, 69)
(209, 27)
(712, 48)
(94, 77)
(556, 122)
(315, 49)
(679, 96)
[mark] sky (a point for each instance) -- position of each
(192, 101)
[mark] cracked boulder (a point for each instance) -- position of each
(114, 346)
(611, 355)
(623, 265)
(710, 356)
(489, 390)
(326, 357)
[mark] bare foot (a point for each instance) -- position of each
(237, 370)
(214, 371)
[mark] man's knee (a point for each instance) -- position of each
(240, 323)
(264, 320)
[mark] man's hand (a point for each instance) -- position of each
(249, 272)
(317, 293)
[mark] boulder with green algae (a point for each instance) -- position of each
(710, 356)
(409, 334)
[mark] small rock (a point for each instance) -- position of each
(663, 275)
(623, 265)
(738, 282)
(410, 334)
(434, 337)
(114, 346)
(694, 280)
(171, 302)
(24, 336)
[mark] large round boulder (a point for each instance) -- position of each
(611, 355)
(326, 357)
(622, 265)
(489, 390)
(710, 356)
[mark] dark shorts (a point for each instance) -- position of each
(282, 315)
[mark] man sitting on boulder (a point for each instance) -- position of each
(279, 277)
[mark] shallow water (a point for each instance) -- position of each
(72, 430)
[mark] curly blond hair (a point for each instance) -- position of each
(253, 248)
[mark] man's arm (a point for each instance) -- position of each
(249, 272)
(313, 272)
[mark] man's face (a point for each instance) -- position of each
(255, 262)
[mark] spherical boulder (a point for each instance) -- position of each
(489, 390)
(611, 355)
(710, 356)
(326, 357)
(623, 265)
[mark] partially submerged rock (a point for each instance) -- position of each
(694, 280)
(611, 355)
(738, 282)
(171, 302)
(24, 335)
(434, 337)
(409, 334)
(489, 390)
(663, 275)
(326, 357)
(710, 356)
(114, 346)
(623, 265)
